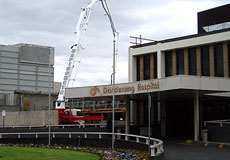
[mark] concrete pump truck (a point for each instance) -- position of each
(74, 115)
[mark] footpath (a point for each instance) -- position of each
(189, 150)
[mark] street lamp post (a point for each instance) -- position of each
(49, 102)
(114, 56)
(149, 118)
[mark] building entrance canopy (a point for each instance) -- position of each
(211, 84)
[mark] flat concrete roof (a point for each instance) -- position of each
(181, 38)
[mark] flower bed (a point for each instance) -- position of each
(105, 154)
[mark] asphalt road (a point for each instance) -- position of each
(195, 151)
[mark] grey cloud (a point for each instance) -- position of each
(52, 22)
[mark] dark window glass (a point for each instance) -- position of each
(205, 67)
(218, 59)
(155, 111)
(168, 63)
(229, 59)
(138, 68)
(137, 114)
(192, 61)
(145, 111)
(146, 67)
(155, 64)
(180, 61)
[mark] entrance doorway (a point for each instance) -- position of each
(180, 119)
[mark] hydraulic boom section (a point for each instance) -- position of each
(77, 48)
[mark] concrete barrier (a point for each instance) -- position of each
(28, 118)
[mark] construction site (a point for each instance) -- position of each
(27, 83)
(178, 88)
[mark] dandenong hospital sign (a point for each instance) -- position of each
(123, 89)
(182, 82)
(119, 89)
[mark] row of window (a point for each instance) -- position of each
(192, 61)
(147, 61)
(218, 62)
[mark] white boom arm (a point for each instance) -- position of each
(76, 49)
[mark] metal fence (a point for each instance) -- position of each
(156, 145)
(219, 122)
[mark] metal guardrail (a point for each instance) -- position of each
(220, 122)
(102, 124)
(59, 126)
(156, 145)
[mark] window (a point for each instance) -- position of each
(180, 61)
(229, 59)
(155, 65)
(146, 67)
(192, 61)
(218, 54)
(205, 67)
(138, 68)
(168, 63)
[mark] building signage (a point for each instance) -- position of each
(3, 113)
(94, 91)
(122, 89)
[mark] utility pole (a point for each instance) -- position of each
(149, 119)
(115, 50)
(49, 101)
(113, 128)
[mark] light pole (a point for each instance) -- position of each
(114, 56)
(115, 36)
(149, 118)
(49, 101)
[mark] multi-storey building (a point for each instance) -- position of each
(185, 80)
(24, 76)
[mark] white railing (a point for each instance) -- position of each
(220, 122)
(156, 145)
(96, 125)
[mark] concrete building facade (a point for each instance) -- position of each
(24, 71)
(184, 78)
(188, 70)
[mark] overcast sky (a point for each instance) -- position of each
(52, 23)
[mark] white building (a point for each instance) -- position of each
(184, 76)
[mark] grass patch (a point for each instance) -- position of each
(26, 153)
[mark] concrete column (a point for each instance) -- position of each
(141, 68)
(211, 59)
(225, 56)
(163, 118)
(133, 112)
(196, 116)
(198, 59)
(152, 112)
(160, 64)
(132, 70)
(186, 65)
(151, 66)
(22, 102)
(141, 112)
(127, 117)
(174, 68)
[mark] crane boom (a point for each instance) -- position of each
(77, 48)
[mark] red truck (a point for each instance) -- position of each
(76, 116)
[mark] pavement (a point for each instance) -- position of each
(189, 150)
